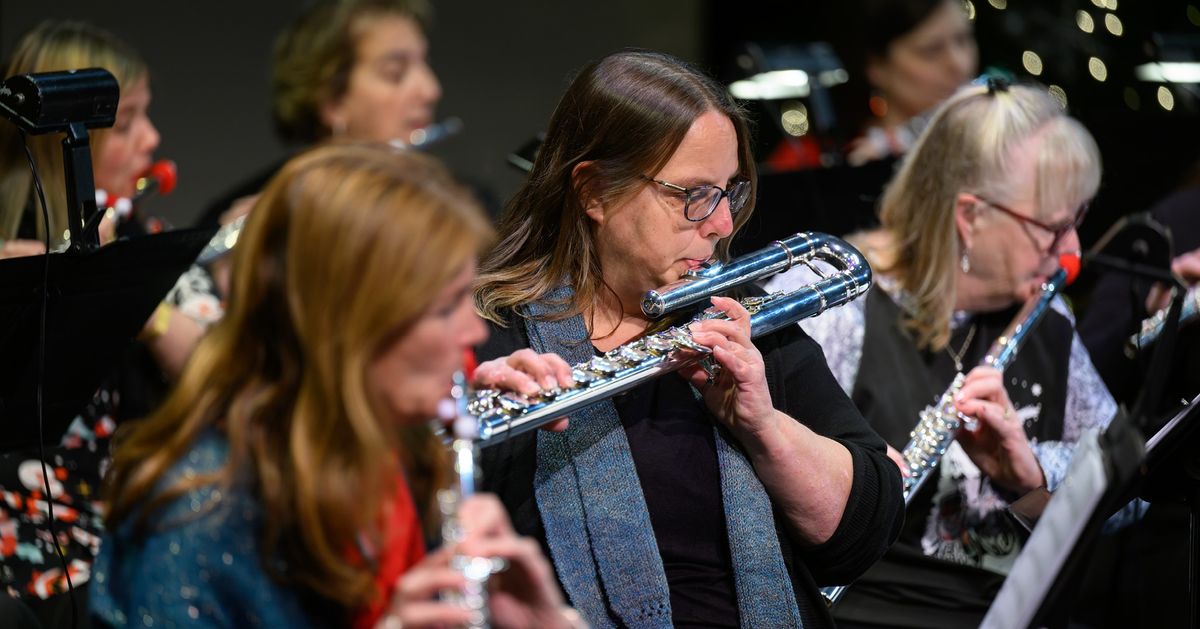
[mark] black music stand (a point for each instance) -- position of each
(98, 302)
(1105, 474)
(837, 200)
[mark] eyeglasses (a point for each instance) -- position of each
(1059, 232)
(700, 202)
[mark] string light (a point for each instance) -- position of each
(1083, 19)
(795, 119)
(1032, 62)
(969, 8)
(1113, 24)
(1099, 3)
(1111, 5)
(999, 4)
(1165, 98)
(1097, 69)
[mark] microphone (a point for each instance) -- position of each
(47, 102)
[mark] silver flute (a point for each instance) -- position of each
(505, 414)
(227, 236)
(940, 422)
(1153, 326)
(461, 428)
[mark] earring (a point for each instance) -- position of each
(965, 263)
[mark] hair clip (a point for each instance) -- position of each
(997, 84)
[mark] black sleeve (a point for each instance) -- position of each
(805, 389)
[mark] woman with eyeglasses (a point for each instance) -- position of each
(691, 499)
(972, 225)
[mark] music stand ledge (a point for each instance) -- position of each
(98, 303)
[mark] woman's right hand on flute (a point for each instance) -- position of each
(524, 595)
(526, 371)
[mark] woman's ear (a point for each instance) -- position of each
(581, 182)
(333, 116)
(965, 215)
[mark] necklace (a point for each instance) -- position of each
(957, 358)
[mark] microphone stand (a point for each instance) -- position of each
(81, 190)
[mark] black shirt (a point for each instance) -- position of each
(672, 443)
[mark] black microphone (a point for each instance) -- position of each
(47, 102)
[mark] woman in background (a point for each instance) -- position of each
(31, 569)
(918, 53)
(345, 70)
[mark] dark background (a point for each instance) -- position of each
(503, 64)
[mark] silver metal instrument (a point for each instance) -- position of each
(940, 422)
(476, 570)
(1153, 326)
(222, 242)
(429, 135)
(227, 236)
(505, 414)
(714, 279)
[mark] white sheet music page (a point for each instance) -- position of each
(1052, 540)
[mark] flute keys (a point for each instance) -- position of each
(632, 355)
(658, 344)
(603, 366)
(583, 377)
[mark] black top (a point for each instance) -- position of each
(684, 503)
(670, 437)
(895, 381)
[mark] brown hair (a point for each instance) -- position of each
(626, 114)
(345, 250)
(315, 55)
(967, 148)
(52, 46)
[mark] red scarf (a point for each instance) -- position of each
(403, 548)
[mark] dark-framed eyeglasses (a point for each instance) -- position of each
(699, 202)
(1057, 231)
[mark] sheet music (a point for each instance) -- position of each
(1055, 535)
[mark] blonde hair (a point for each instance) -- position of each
(52, 46)
(345, 250)
(967, 147)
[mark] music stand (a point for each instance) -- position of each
(837, 200)
(1106, 471)
(98, 302)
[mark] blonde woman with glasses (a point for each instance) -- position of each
(972, 225)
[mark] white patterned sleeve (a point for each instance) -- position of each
(1089, 405)
(839, 331)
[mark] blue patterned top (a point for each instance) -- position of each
(199, 566)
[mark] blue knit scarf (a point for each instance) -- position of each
(597, 524)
